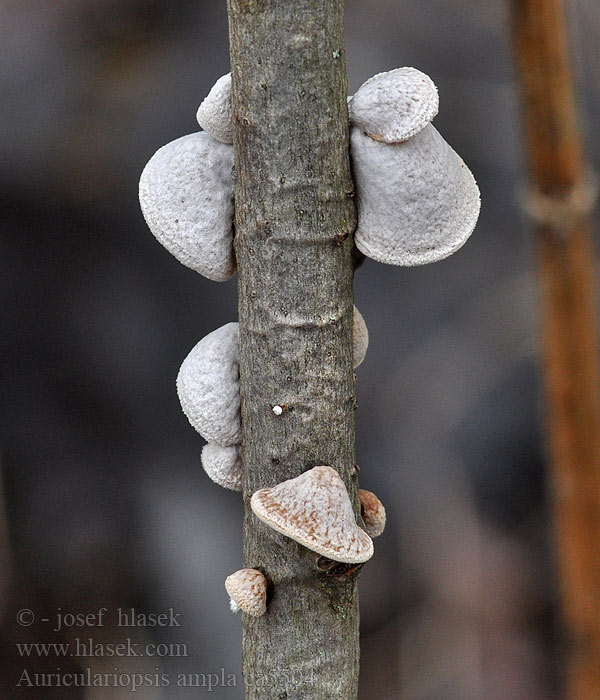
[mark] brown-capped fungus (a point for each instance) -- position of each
(314, 509)
(372, 512)
(247, 589)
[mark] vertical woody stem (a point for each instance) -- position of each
(294, 221)
(566, 267)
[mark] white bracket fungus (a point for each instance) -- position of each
(394, 106)
(360, 338)
(186, 196)
(373, 513)
(417, 201)
(314, 509)
(209, 393)
(247, 589)
(208, 386)
(223, 465)
(214, 114)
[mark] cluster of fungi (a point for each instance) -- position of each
(417, 203)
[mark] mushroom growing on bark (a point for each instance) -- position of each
(394, 106)
(417, 201)
(314, 509)
(208, 386)
(247, 589)
(186, 196)
(360, 338)
(208, 389)
(372, 512)
(214, 114)
(223, 465)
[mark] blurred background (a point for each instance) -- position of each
(103, 501)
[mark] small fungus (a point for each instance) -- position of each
(360, 338)
(373, 513)
(208, 386)
(214, 114)
(247, 589)
(314, 509)
(394, 106)
(186, 196)
(223, 465)
(277, 410)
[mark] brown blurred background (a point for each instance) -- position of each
(103, 500)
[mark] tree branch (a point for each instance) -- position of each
(294, 217)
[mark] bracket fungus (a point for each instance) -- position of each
(208, 386)
(395, 105)
(214, 114)
(417, 201)
(247, 589)
(314, 509)
(186, 196)
(209, 392)
(223, 465)
(373, 513)
(360, 338)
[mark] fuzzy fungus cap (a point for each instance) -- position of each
(360, 338)
(223, 465)
(208, 386)
(247, 588)
(394, 106)
(417, 201)
(214, 114)
(373, 513)
(186, 196)
(314, 509)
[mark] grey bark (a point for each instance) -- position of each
(294, 217)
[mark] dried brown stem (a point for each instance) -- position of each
(570, 349)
